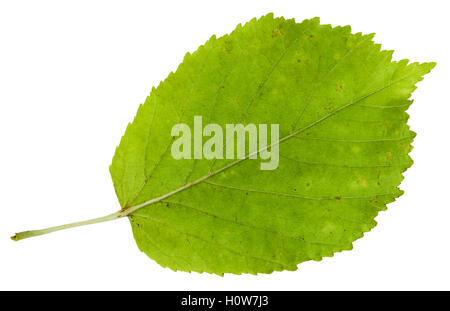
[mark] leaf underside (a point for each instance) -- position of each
(337, 92)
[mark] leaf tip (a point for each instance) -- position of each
(431, 65)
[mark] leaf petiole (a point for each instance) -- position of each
(32, 233)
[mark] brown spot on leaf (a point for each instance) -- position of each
(277, 32)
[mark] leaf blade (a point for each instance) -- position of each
(335, 110)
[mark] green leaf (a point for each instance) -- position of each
(340, 104)
(344, 141)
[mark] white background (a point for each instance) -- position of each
(72, 74)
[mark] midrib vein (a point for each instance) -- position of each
(129, 210)
(126, 211)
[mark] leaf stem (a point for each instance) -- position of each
(32, 233)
